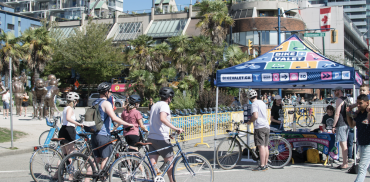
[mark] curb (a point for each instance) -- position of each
(15, 152)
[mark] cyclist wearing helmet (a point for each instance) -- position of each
(68, 130)
(261, 129)
(133, 116)
(103, 136)
(160, 125)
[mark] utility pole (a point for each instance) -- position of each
(279, 41)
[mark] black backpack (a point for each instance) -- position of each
(93, 114)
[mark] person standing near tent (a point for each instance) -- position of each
(361, 121)
(277, 114)
(294, 98)
(340, 126)
(261, 129)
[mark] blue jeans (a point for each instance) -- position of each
(350, 143)
(364, 163)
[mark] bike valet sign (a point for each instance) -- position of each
(294, 56)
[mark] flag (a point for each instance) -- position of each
(325, 16)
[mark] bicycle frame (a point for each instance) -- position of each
(180, 152)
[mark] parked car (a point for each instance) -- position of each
(119, 100)
(62, 101)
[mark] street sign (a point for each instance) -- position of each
(314, 34)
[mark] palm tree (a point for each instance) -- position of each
(159, 55)
(179, 53)
(37, 45)
(234, 56)
(143, 83)
(140, 56)
(203, 59)
(215, 20)
(167, 74)
(9, 49)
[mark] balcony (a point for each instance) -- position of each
(343, 3)
(357, 16)
(21, 9)
(362, 30)
(354, 9)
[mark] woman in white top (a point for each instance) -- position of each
(68, 130)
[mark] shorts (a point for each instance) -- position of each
(99, 140)
(68, 133)
(5, 105)
(158, 144)
(132, 140)
(341, 133)
(261, 136)
(24, 104)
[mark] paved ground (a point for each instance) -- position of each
(15, 163)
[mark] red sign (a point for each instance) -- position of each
(118, 87)
(77, 84)
(325, 14)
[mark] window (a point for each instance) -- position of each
(19, 23)
(10, 26)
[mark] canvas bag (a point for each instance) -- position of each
(313, 156)
(92, 114)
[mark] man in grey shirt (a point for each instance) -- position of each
(261, 129)
(159, 129)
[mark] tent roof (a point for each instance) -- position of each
(292, 64)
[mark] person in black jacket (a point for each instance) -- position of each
(277, 114)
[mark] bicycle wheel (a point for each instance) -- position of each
(312, 121)
(76, 167)
(124, 167)
(196, 163)
(45, 134)
(280, 152)
(44, 163)
(304, 121)
(228, 153)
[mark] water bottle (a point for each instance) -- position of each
(156, 168)
(164, 166)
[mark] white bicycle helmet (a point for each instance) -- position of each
(251, 93)
(71, 96)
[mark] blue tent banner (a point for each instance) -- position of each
(292, 64)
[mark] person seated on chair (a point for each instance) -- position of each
(328, 119)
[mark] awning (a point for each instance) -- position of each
(128, 31)
(63, 32)
(167, 28)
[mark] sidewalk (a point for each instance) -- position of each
(33, 128)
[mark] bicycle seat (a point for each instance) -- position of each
(84, 135)
(57, 139)
(142, 144)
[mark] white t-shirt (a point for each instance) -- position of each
(6, 97)
(158, 130)
(65, 122)
(260, 107)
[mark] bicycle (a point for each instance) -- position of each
(229, 151)
(54, 131)
(187, 166)
(78, 165)
(44, 161)
(306, 118)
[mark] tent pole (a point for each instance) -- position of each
(215, 138)
(239, 96)
(354, 129)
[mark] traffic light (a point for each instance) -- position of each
(334, 36)
(249, 44)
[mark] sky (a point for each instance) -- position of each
(129, 5)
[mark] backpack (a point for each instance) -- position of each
(92, 114)
(346, 103)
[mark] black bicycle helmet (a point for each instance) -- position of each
(134, 99)
(166, 92)
(103, 87)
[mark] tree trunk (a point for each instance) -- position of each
(201, 85)
(36, 75)
(7, 78)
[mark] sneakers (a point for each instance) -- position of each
(260, 168)
(350, 160)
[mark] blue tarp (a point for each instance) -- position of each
(292, 64)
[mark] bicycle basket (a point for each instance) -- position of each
(51, 124)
